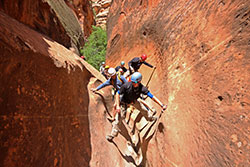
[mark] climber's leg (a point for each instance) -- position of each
(116, 123)
(145, 109)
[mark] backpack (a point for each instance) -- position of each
(119, 77)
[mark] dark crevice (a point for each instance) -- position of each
(123, 13)
(115, 40)
(161, 127)
(220, 98)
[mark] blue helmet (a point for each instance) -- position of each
(122, 62)
(136, 77)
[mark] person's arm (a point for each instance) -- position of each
(130, 66)
(133, 61)
(124, 79)
(146, 63)
(155, 99)
(106, 83)
(117, 68)
(130, 63)
(124, 69)
(117, 101)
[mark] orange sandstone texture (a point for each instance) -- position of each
(84, 13)
(53, 18)
(202, 52)
(43, 100)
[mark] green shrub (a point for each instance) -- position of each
(94, 49)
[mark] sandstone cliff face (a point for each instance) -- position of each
(201, 50)
(43, 100)
(84, 13)
(52, 18)
(101, 8)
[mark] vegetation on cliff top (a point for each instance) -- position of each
(94, 49)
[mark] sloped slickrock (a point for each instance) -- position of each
(202, 52)
(43, 100)
(52, 18)
(126, 149)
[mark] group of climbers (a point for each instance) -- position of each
(113, 80)
(128, 93)
(104, 70)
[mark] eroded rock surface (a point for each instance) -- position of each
(52, 18)
(84, 13)
(101, 8)
(201, 50)
(43, 100)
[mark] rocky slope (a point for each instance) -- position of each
(201, 50)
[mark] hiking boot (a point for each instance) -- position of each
(123, 114)
(109, 138)
(110, 119)
(154, 118)
(151, 112)
(131, 149)
(114, 133)
(138, 160)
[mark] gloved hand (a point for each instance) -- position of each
(164, 107)
(93, 90)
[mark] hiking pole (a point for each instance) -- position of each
(142, 96)
(150, 77)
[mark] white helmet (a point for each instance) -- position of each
(111, 72)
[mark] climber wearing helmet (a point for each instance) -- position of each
(105, 72)
(136, 63)
(129, 93)
(102, 67)
(113, 80)
(122, 69)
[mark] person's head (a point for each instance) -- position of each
(112, 73)
(136, 79)
(106, 67)
(143, 57)
(122, 63)
(103, 64)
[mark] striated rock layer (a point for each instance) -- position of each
(52, 18)
(202, 53)
(101, 9)
(43, 100)
(84, 12)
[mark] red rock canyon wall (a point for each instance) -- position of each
(201, 50)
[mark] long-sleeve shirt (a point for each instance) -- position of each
(136, 63)
(117, 82)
